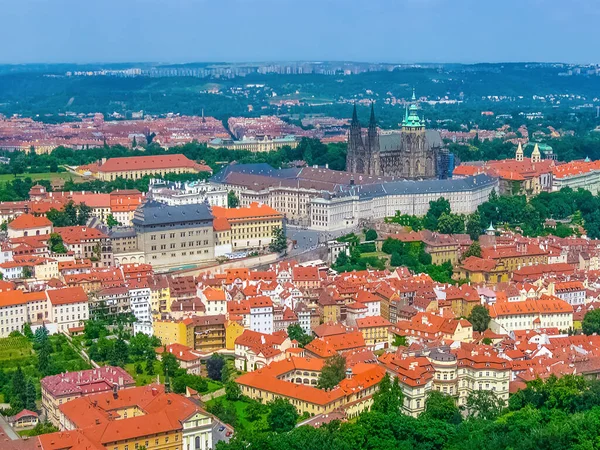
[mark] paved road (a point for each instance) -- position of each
(308, 239)
(8, 430)
(220, 431)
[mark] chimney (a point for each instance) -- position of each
(115, 391)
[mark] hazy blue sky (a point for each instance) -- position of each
(253, 30)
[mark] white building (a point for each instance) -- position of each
(349, 207)
(68, 307)
(188, 193)
(572, 292)
(547, 312)
(261, 314)
(141, 307)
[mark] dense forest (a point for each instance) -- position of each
(566, 102)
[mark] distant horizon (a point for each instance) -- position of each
(292, 61)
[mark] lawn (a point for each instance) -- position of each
(375, 254)
(242, 417)
(16, 351)
(38, 176)
(142, 379)
(212, 386)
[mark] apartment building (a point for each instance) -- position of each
(68, 307)
(88, 243)
(252, 226)
(375, 331)
(174, 236)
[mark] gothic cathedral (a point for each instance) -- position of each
(414, 153)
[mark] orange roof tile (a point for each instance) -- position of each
(28, 221)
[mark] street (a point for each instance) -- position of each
(308, 239)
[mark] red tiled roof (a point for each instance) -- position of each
(155, 162)
(67, 295)
(28, 221)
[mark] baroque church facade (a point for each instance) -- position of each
(414, 153)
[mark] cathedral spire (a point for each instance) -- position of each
(414, 97)
(372, 121)
(354, 116)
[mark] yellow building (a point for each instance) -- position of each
(160, 296)
(171, 332)
(136, 167)
(232, 331)
(515, 256)
(208, 333)
(252, 227)
(375, 331)
(145, 416)
(295, 380)
(441, 247)
(479, 270)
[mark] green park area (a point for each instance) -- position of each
(39, 176)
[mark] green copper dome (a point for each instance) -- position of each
(412, 119)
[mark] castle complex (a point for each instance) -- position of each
(413, 154)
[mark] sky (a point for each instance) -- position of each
(398, 31)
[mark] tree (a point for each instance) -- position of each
(279, 242)
(591, 322)
(41, 334)
(400, 341)
(479, 318)
(44, 352)
(18, 389)
(334, 371)
(225, 374)
(295, 332)
(254, 410)
(473, 226)
(30, 396)
(451, 224)
(282, 415)
(18, 164)
(56, 244)
(119, 354)
(150, 359)
(483, 405)
(232, 391)
(214, 366)
(27, 331)
(232, 200)
(440, 406)
(388, 399)
(436, 209)
(83, 214)
(139, 345)
(27, 272)
(371, 235)
(169, 363)
(111, 221)
(473, 250)
(134, 143)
